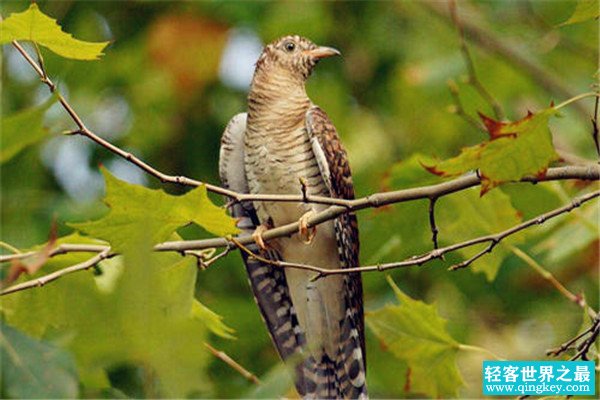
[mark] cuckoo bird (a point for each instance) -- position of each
(285, 144)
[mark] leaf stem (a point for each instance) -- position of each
(548, 276)
(576, 98)
(477, 349)
(9, 247)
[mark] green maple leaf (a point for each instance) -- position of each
(515, 149)
(22, 129)
(161, 214)
(141, 311)
(35, 26)
(415, 333)
(466, 215)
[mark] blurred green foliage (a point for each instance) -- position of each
(158, 93)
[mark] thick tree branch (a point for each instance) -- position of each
(419, 260)
(589, 173)
(337, 206)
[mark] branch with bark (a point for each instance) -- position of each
(336, 207)
(581, 343)
(191, 247)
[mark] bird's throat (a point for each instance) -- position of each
(276, 98)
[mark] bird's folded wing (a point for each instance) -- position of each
(335, 169)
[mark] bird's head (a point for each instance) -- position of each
(293, 55)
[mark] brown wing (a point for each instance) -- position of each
(334, 166)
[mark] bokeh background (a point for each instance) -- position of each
(175, 72)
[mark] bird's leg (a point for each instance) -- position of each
(306, 234)
(257, 236)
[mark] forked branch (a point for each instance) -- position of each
(492, 240)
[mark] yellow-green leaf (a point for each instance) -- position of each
(212, 320)
(22, 129)
(144, 318)
(584, 11)
(161, 214)
(414, 332)
(35, 26)
(466, 215)
(515, 149)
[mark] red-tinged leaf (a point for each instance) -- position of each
(407, 384)
(515, 149)
(467, 160)
(493, 127)
(31, 264)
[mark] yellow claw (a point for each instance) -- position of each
(307, 235)
(257, 236)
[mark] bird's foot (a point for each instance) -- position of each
(257, 236)
(306, 234)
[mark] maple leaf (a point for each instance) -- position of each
(35, 26)
(414, 332)
(161, 214)
(514, 150)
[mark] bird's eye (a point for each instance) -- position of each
(290, 46)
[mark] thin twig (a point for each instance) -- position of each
(40, 60)
(58, 274)
(582, 348)
(473, 79)
(432, 224)
(345, 204)
(494, 240)
(58, 250)
(492, 243)
(206, 262)
(9, 247)
(221, 355)
(165, 178)
(547, 275)
(275, 263)
(595, 126)
(568, 344)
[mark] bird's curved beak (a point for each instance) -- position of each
(323, 52)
